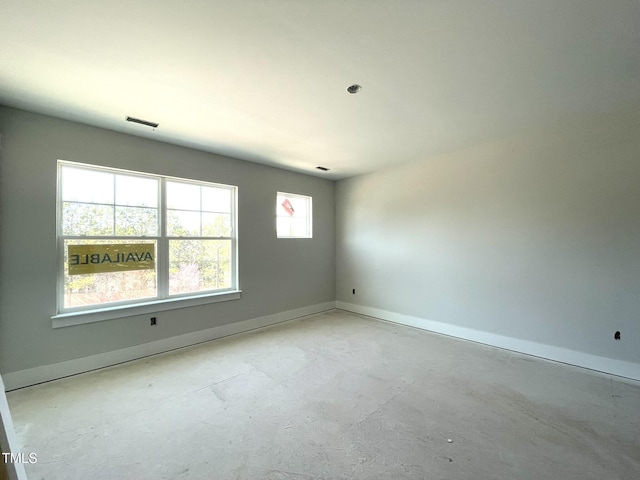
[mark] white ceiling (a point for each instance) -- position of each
(265, 80)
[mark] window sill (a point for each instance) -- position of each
(98, 315)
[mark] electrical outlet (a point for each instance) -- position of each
(153, 320)
(354, 291)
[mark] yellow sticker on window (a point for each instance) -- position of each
(117, 257)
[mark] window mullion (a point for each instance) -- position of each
(163, 244)
(200, 210)
(115, 230)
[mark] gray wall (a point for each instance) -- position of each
(535, 237)
(275, 275)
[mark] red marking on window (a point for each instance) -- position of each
(287, 206)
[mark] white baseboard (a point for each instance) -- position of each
(580, 359)
(45, 373)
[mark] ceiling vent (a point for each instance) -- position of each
(355, 88)
(142, 122)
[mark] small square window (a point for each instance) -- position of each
(293, 216)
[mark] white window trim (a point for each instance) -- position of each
(141, 308)
(128, 308)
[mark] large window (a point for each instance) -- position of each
(293, 216)
(127, 238)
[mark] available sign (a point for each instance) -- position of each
(117, 257)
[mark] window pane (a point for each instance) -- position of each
(216, 225)
(183, 196)
(300, 206)
(86, 219)
(292, 206)
(183, 224)
(100, 288)
(89, 186)
(136, 191)
(284, 226)
(216, 199)
(280, 207)
(199, 265)
(136, 221)
(299, 227)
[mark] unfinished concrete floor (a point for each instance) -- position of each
(333, 396)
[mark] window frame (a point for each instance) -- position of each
(163, 300)
(308, 218)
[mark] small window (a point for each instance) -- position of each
(293, 216)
